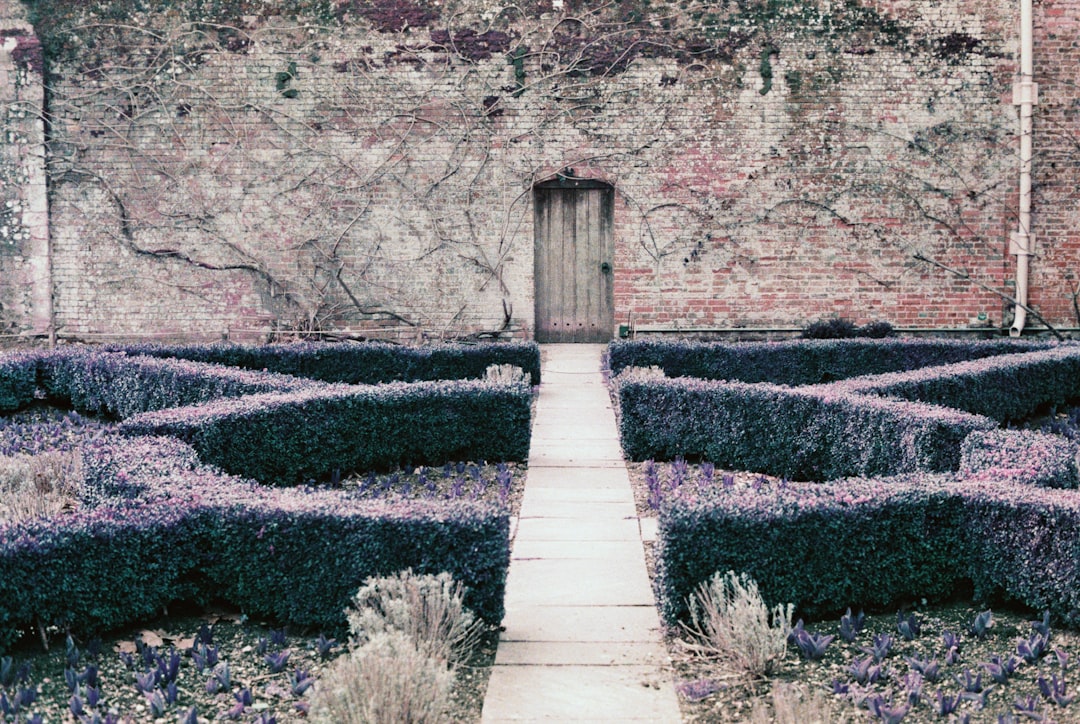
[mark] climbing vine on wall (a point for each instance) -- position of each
(358, 125)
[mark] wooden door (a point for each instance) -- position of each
(573, 270)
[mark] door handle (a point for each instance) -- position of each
(605, 268)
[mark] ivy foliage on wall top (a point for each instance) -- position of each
(605, 37)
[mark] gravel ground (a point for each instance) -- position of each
(267, 670)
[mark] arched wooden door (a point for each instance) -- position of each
(574, 249)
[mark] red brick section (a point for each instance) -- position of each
(1056, 168)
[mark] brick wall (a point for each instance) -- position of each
(1055, 275)
(788, 167)
(24, 290)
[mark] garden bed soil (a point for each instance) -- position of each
(710, 694)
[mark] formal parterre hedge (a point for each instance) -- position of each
(18, 379)
(803, 362)
(278, 428)
(288, 438)
(160, 523)
(117, 385)
(791, 432)
(359, 362)
(1001, 522)
(159, 527)
(1021, 456)
(1008, 387)
(877, 542)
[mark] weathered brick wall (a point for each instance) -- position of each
(790, 166)
(24, 290)
(1055, 275)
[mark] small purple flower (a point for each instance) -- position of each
(75, 704)
(277, 661)
(811, 645)
(851, 625)
(325, 646)
(946, 704)
(970, 682)
(929, 669)
(697, 689)
(300, 681)
(1054, 690)
(865, 671)
(982, 624)
(880, 648)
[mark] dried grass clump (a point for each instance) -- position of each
(731, 623)
(506, 373)
(792, 704)
(34, 486)
(408, 633)
(388, 679)
(429, 609)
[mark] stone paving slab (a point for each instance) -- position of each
(572, 407)
(533, 508)
(565, 653)
(583, 694)
(570, 428)
(581, 462)
(569, 529)
(577, 493)
(574, 449)
(596, 550)
(578, 582)
(582, 624)
(608, 475)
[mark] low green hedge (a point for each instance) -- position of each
(1008, 387)
(802, 362)
(289, 438)
(1023, 544)
(821, 547)
(1023, 456)
(18, 379)
(360, 363)
(116, 385)
(158, 528)
(877, 543)
(797, 433)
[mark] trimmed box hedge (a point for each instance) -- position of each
(360, 363)
(116, 385)
(1023, 543)
(1007, 387)
(286, 439)
(870, 542)
(1022, 456)
(18, 379)
(877, 543)
(802, 362)
(820, 546)
(798, 433)
(191, 533)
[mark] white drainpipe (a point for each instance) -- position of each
(1025, 95)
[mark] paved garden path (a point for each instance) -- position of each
(582, 641)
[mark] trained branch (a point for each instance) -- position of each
(967, 277)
